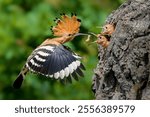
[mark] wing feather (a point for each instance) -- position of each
(55, 62)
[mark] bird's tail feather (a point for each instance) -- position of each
(18, 82)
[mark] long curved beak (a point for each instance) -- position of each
(81, 34)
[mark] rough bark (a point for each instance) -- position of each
(123, 71)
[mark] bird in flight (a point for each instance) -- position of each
(52, 58)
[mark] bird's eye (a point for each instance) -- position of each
(100, 37)
(69, 34)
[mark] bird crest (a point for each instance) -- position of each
(66, 25)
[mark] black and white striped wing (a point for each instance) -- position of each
(55, 61)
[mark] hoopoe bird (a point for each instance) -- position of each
(52, 58)
(103, 40)
(108, 29)
(105, 35)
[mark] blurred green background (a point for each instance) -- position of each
(24, 24)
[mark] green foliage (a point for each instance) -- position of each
(24, 24)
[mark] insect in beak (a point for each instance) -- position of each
(88, 40)
(91, 33)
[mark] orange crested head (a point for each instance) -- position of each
(66, 26)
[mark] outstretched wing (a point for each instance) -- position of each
(57, 62)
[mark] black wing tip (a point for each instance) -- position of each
(82, 67)
(74, 75)
(63, 81)
(79, 72)
(69, 79)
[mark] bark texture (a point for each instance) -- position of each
(123, 71)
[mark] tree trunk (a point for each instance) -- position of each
(123, 71)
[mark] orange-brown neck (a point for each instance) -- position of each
(62, 40)
(57, 41)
